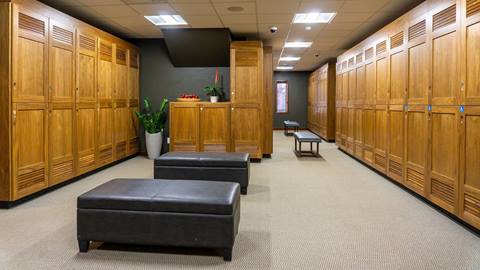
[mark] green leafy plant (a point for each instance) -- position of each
(211, 90)
(153, 121)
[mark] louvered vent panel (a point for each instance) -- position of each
(105, 155)
(369, 53)
(417, 30)
(339, 67)
(444, 17)
(31, 24)
(64, 169)
(472, 205)
(442, 191)
(473, 7)
(381, 47)
(415, 179)
(62, 35)
(380, 161)
(133, 145)
(134, 60)
(106, 52)
(86, 161)
(351, 62)
(344, 64)
(359, 58)
(30, 179)
(396, 40)
(395, 168)
(87, 43)
(121, 56)
(121, 150)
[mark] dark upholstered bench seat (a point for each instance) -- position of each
(289, 124)
(202, 214)
(306, 137)
(207, 166)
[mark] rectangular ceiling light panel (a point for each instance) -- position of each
(167, 20)
(284, 67)
(289, 58)
(314, 17)
(297, 44)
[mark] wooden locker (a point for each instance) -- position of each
(382, 74)
(351, 130)
(443, 155)
(121, 91)
(121, 119)
(381, 138)
(338, 90)
(86, 107)
(396, 144)
(398, 70)
(358, 133)
(133, 129)
(30, 148)
(105, 71)
(245, 129)
(416, 141)
(345, 89)
(214, 127)
(61, 108)
(30, 55)
(360, 95)
(418, 63)
(368, 135)
(445, 56)
(338, 127)
(105, 130)
(370, 84)
(184, 125)
(344, 128)
(471, 55)
(352, 86)
(469, 201)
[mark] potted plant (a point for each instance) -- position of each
(153, 123)
(214, 91)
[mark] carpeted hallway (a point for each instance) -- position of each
(330, 213)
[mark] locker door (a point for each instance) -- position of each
(344, 131)
(246, 126)
(121, 119)
(338, 126)
(215, 128)
(351, 130)
(472, 54)
(345, 89)
(416, 141)
(133, 142)
(395, 142)
(360, 95)
(398, 70)
(370, 84)
(368, 135)
(358, 133)
(418, 63)
(105, 71)
(184, 127)
(382, 81)
(381, 139)
(121, 91)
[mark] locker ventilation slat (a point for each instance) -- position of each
(344, 65)
(396, 40)
(86, 161)
(473, 7)
(31, 179)
(381, 47)
(31, 24)
(472, 205)
(380, 161)
(444, 17)
(414, 179)
(62, 35)
(134, 60)
(105, 155)
(106, 52)
(121, 150)
(417, 30)
(121, 56)
(64, 169)
(351, 62)
(395, 168)
(369, 53)
(442, 191)
(133, 145)
(359, 58)
(87, 43)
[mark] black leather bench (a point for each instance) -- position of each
(308, 137)
(289, 124)
(207, 166)
(181, 213)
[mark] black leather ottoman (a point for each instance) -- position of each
(207, 166)
(182, 213)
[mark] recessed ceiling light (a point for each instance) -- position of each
(235, 9)
(297, 44)
(167, 20)
(308, 28)
(289, 58)
(284, 67)
(313, 17)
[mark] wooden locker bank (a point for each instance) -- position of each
(68, 92)
(418, 86)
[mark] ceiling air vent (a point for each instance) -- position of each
(416, 30)
(444, 17)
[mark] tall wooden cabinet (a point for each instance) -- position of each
(58, 78)
(417, 84)
(321, 102)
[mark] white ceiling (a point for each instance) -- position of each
(354, 20)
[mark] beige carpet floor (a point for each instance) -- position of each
(330, 213)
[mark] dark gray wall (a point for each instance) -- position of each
(159, 78)
(297, 98)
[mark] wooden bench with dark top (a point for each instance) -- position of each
(308, 137)
(288, 124)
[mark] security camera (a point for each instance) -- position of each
(273, 29)
(317, 55)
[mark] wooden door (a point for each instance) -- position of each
(30, 56)
(360, 95)
(469, 201)
(246, 126)
(368, 135)
(30, 147)
(338, 91)
(344, 130)
(416, 141)
(105, 130)
(246, 68)
(418, 63)
(358, 133)
(471, 54)
(184, 126)
(382, 81)
(443, 155)
(398, 70)
(121, 113)
(86, 107)
(381, 139)
(345, 89)
(351, 130)
(62, 97)
(396, 142)
(370, 83)
(352, 87)
(121, 91)
(445, 55)
(338, 127)
(105, 71)
(215, 127)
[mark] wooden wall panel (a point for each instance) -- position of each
(396, 143)
(268, 101)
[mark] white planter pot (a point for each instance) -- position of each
(213, 99)
(154, 144)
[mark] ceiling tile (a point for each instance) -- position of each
(194, 9)
(363, 5)
(342, 26)
(153, 9)
(203, 21)
(275, 18)
(132, 22)
(115, 11)
(188, 1)
(239, 19)
(352, 17)
(273, 6)
(320, 6)
(62, 3)
(248, 7)
(100, 2)
(243, 28)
